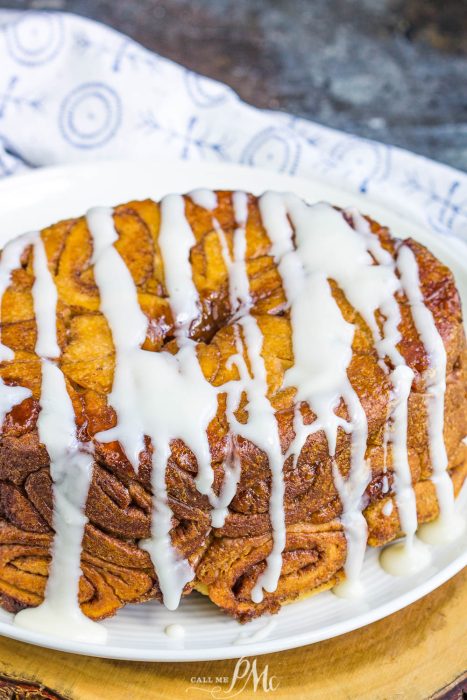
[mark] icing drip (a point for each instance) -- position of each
(11, 261)
(239, 286)
(387, 508)
(319, 372)
(186, 415)
(449, 524)
(400, 560)
(232, 468)
(175, 632)
(174, 400)
(239, 294)
(44, 294)
(6, 616)
(261, 428)
(184, 299)
(239, 283)
(128, 324)
(71, 471)
(220, 503)
(11, 396)
(207, 199)
(259, 634)
(184, 302)
(401, 378)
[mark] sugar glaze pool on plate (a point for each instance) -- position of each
(138, 632)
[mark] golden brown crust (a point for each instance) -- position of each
(227, 561)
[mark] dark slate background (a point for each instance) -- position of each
(392, 70)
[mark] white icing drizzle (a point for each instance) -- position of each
(322, 345)
(207, 199)
(449, 524)
(175, 631)
(44, 294)
(167, 397)
(261, 428)
(6, 616)
(71, 472)
(174, 400)
(128, 324)
(184, 298)
(240, 300)
(328, 248)
(247, 637)
(11, 396)
(11, 261)
(401, 378)
(239, 283)
(220, 503)
(387, 508)
(186, 405)
(400, 560)
(232, 468)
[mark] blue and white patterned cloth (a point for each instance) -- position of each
(74, 90)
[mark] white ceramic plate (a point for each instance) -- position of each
(137, 632)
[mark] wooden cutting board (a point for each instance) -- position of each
(415, 654)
